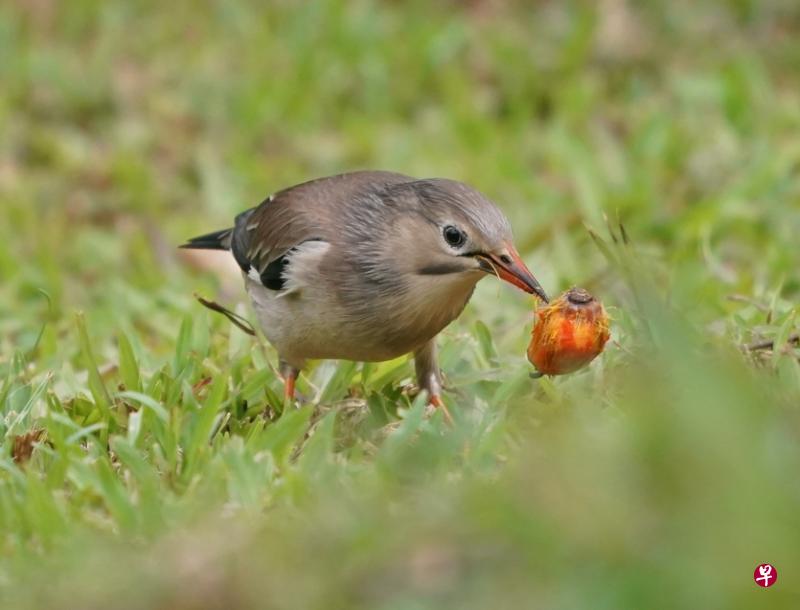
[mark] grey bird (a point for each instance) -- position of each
(368, 266)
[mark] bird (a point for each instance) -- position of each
(368, 266)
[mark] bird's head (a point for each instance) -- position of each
(459, 234)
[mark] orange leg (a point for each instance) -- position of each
(288, 387)
(289, 374)
(437, 402)
(429, 377)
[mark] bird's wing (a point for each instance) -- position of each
(309, 211)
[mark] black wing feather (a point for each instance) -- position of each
(237, 240)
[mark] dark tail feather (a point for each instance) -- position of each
(218, 240)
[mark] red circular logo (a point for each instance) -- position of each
(765, 575)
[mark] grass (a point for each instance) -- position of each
(157, 466)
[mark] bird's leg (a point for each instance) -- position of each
(429, 378)
(288, 387)
(289, 374)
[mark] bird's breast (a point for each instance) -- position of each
(327, 317)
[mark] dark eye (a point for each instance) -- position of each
(453, 236)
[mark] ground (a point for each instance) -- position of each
(148, 460)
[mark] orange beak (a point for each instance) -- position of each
(510, 268)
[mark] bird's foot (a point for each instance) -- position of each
(289, 388)
(289, 375)
(437, 403)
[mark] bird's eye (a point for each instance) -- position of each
(453, 236)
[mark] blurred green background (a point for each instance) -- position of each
(147, 459)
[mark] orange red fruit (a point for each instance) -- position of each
(568, 333)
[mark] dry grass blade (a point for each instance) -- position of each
(624, 234)
(770, 343)
(741, 298)
(241, 323)
(23, 446)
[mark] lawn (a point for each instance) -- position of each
(646, 151)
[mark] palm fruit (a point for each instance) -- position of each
(568, 333)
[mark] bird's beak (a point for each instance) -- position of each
(509, 267)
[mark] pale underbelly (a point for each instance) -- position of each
(300, 328)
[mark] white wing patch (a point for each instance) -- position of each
(303, 267)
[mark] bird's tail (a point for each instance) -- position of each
(218, 240)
